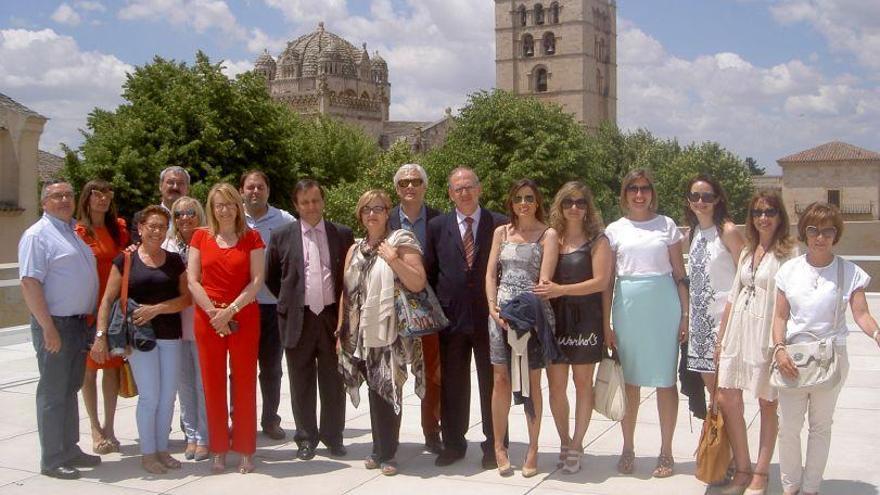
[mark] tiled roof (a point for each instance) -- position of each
(48, 165)
(831, 152)
(7, 102)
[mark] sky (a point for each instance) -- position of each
(765, 78)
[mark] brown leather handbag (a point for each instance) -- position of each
(713, 452)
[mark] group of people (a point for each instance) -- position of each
(245, 283)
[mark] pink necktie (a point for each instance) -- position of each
(314, 277)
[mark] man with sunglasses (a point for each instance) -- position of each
(411, 184)
(304, 267)
(265, 218)
(59, 282)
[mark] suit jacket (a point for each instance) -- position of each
(461, 291)
(394, 220)
(286, 273)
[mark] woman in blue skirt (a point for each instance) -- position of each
(649, 312)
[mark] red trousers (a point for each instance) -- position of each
(431, 402)
(240, 349)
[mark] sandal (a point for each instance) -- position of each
(626, 463)
(388, 468)
(665, 463)
(757, 491)
(246, 465)
(218, 463)
(151, 464)
(168, 461)
(371, 462)
(104, 447)
(563, 454)
(573, 461)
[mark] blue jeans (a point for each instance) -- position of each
(156, 373)
(61, 376)
(192, 395)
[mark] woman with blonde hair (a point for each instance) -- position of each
(225, 268)
(577, 293)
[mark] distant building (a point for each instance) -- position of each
(20, 130)
(321, 73)
(563, 51)
(838, 173)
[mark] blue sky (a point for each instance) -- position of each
(762, 77)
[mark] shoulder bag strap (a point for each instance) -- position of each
(126, 272)
(839, 307)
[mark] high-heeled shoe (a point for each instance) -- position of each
(246, 465)
(529, 472)
(735, 489)
(757, 491)
(504, 467)
(218, 463)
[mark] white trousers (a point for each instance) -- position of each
(794, 406)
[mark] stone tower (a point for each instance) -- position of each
(564, 51)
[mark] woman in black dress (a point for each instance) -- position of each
(579, 297)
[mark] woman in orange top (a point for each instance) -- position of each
(225, 271)
(106, 233)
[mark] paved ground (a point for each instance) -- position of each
(852, 468)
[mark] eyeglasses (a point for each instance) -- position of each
(376, 210)
(185, 213)
(632, 188)
(528, 198)
(768, 212)
(580, 204)
(404, 183)
(60, 196)
(706, 197)
(224, 206)
(827, 232)
(463, 189)
(100, 195)
(155, 227)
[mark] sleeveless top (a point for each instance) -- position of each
(578, 318)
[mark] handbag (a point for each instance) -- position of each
(713, 452)
(609, 396)
(122, 331)
(816, 361)
(418, 313)
(127, 386)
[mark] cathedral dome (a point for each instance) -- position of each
(264, 60)
(322, 45)
(378, 62)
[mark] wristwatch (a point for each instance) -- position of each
(99, 334)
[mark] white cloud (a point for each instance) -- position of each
(232, 68)
(310, 11)
(65, 14)
(90, 6)
(201, 15)
(49, 73)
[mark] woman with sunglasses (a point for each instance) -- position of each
(106, 233)
(187, 216)
(742, 354)
(715, 244)
(522, 254)
(649, 314)
(582, 275)
(811, 297)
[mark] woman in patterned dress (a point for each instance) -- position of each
(526, 251)
(715, 246)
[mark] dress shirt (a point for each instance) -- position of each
(51, 252)
(318, 234)
(419, 227)
(462, 225)
(273, 219)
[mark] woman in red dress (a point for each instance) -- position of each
(225, 271)
(107, 235)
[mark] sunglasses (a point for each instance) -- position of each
(706, 197)
(376, 210)
(404, 183)
(827, 232)
(632, 188)
(528, 198)
(580, 204)
(768, 212)
(185, 213)
(100, 195)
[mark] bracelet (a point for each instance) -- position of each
(235, 307)
(776, 348)
(876, 333)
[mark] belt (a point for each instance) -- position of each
(71, 317)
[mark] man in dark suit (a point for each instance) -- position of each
(411, 184)
(456, 255)
(304, 264)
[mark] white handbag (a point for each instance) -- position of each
(609, 394)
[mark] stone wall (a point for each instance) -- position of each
(857, 181)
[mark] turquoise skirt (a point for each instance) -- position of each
(646, 314)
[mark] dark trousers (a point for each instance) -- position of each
(431, 402)
(385, 427)
(269, 359)
(455, 399)
(313, 362)
(61, 376)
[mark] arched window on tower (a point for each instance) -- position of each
(554, 13)
(528, 44)
(541, 80)
(523, 15)
(549, 44)
(539, 14)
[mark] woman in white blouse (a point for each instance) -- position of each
(649, 313)
(810, 304)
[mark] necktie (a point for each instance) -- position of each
(468, 240)
(314, 277)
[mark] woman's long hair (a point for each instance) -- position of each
(84, 210)
(592, 218)
(539, 200)
(782, 243)
(720, 214)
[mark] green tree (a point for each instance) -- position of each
(754, 168)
